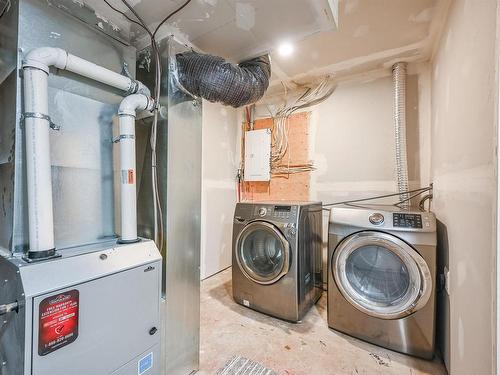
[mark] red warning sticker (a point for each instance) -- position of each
(58, 321)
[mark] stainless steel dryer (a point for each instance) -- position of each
(381, 277)
(277, 267)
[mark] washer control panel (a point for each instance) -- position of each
(404, 220)
(276, 212)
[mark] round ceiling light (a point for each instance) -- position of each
(286, 49)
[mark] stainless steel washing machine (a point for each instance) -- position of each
(382, 276)
(277, 266)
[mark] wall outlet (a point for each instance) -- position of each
(447, 280)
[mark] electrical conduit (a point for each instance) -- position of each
(37, 124)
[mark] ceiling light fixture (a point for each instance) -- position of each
(286, 49)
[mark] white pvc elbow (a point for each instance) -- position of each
(133, 103)
(44, 57)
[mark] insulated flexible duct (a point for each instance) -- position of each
(399, 81)
(216, 80)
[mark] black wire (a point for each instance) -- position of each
(144, 25)
(170, 15)
(155, 50)
(4, 10)
(421, 190)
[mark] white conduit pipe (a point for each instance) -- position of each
(127, 112)
(37, 124)
(399, 108)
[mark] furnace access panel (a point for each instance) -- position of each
(88, 312)
(105, 326)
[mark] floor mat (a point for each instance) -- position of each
(243, 366)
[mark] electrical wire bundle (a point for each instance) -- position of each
(157, 211)
(281, 126)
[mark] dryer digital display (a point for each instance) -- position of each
(402, 220)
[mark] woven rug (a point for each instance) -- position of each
(243, 366)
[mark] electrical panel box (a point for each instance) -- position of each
(258, 155)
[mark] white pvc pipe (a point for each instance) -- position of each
(39, 181)
(127, 112)
(44, 57)
(41, 231)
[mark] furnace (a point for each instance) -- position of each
(94, 310)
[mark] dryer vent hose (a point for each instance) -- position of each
(399, 81)
(217, 80)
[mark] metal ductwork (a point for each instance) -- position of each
(399, 81)
(217, 80)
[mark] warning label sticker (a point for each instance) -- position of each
(58, 321)
(127, 176)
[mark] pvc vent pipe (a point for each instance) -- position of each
(399, 81)
(37, 124)
(127, 112)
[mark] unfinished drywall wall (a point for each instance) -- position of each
(464, 86)
(220, 165)
(354, 143)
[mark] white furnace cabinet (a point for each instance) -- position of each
(95, 312)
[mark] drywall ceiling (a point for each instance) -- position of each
(233, 29)
(371, 34)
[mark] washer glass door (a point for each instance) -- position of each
(263, 253)
(381, 275)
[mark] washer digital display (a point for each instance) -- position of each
(402, 220)
(282, 208)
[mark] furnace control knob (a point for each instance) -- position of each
(262, 212)
(376, 219)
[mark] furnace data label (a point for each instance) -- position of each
(58, 321)
(127, 176)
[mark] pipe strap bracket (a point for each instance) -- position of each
(134, 87)
(123, 136)
(41, 116)
(5, 309)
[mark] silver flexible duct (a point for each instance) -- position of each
(399, 82)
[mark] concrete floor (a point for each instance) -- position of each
(309, 348)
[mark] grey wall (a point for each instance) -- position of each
(464, 131)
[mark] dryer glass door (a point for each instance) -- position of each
(263, 253)
(381, 275)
